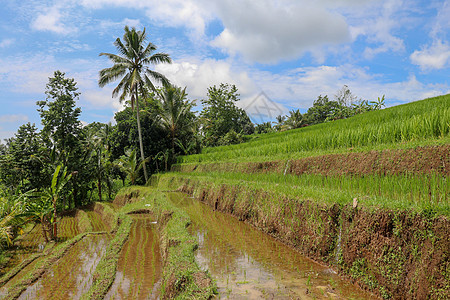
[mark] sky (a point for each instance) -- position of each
(281, 54)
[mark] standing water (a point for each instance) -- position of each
(139, 265)
(248, 264)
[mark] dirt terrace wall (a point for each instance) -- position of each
(396, 254)
(420, 160)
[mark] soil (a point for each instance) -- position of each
(420, 160)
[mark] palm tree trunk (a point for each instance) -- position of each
(140, 134)
(99, 178)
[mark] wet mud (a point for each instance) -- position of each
(248, 264)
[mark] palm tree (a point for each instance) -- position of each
(132, 67)
(130, 164)
(175, 112)
(295, 120)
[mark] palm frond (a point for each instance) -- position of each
(158, 77)
(158, 58)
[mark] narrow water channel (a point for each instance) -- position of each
(248, 264)
(139, 265)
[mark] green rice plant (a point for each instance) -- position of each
(408, 191)
(416, 122)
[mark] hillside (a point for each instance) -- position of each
(368, 195)
(425, 122)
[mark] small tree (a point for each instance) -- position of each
(131, 165)
(220, 114)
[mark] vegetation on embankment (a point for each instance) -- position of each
(393, 252)
(419, 123)
(182, 278)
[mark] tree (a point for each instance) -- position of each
(125, 134)
(25, 150)
(59, 114)
(175, 113)
(63, 133)
(130, 165)
(322, 108)
(11, 218)
(345, 97)
(220, 114)
(294, 120)
(132, 68)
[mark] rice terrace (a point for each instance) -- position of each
(185, 195)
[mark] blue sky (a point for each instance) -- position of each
(283, 51)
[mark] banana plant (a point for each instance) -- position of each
(44, 207)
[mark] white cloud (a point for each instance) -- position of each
(198, 76)
(299, 87)
(378, 23)
(13, 118)
(267, 31)
(436, 56)
(295, 88)
(173, 13)
(106, 24)
(50, 20)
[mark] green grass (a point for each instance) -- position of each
(417, 192)
(417, 123)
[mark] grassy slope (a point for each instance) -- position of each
(421, 123)
(425, 122)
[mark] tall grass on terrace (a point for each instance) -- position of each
(416, 121)
(405, 191)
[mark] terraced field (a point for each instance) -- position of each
(357, 194)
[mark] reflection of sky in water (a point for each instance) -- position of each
(249, 264)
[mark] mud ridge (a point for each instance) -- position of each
(419, 160)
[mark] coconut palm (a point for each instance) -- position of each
(295, 120)
(130, 165)
(175, 112)
(131, 65)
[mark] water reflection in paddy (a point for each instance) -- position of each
(139, 265)
(248, 264)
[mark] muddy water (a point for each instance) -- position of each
(33, 241)
(248, 264)
(139, 265)
(71, 276)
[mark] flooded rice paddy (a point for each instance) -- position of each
(96, 221)
(70, 276)
(139, 265)
(248, 264)
(32, 241)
